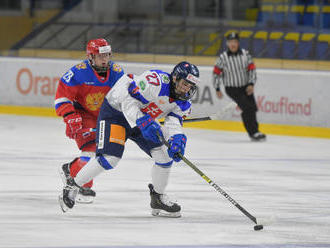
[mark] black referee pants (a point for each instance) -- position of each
(248, 106)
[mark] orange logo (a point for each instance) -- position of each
(27, 83)
(94, 101)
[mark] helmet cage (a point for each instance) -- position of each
(193, 87)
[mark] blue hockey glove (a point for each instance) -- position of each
(149, 128)
(177, 144)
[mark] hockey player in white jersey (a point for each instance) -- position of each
(129, 111)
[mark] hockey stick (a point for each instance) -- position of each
(216, 116)
(257, 227)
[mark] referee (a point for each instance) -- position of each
(235, 69)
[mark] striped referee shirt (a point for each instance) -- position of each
(234, 69)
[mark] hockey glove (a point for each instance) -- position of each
(149, 128)
(177, 145)
(73, 125)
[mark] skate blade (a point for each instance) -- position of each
(64, 208)
(83, 199)
(260, 140)
(162, 213)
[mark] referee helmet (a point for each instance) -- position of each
(232, 36)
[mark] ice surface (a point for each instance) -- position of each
(285, 182)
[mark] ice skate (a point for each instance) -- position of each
(69, 193)
(64, 171)
(162, 206)
(85, 195)
(258, 137)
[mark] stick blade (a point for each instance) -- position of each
(229, 108)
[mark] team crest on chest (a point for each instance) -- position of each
(94, 101)
(81, 66)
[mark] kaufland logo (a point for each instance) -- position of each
(284, 106)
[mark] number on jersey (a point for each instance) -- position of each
(153, 79)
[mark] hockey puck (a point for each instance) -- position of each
(258, 227)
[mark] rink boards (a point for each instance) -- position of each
(290, 102)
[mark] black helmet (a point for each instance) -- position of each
(232, 36)
(188, 72)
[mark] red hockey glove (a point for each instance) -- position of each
(73, 125)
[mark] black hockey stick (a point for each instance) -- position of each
(257, 227)
(217, 116)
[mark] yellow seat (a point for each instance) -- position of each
(297, 8)
(275, 35)
(245, 34)
(324, 38)
(307, 36)
(261, 35)
(282, 8)
(292, 36)
(313, 9)
(326, 9)
(267, 8)
(251, 14)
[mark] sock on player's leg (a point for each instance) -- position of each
(76, 166)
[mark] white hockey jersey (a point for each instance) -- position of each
(149, 93)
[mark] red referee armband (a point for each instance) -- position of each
(251, 67)
(217, 70)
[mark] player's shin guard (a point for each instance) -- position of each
(95, 167)
(159, 175)
(77, 165)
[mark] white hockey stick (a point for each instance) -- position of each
(230, 107)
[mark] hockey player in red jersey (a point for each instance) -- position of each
(79, 96)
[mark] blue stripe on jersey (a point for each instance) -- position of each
(84, 158)
(176, 116)
(184, 105)
(104, 163)
(60, 104)
(165, 165)
(159, 71)
(133, 90)
(165, 90)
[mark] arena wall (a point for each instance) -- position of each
(293, 102)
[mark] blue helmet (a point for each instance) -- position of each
(188, 72)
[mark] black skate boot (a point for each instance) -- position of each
(85, 195)
(257, 137)
(64, 171)
(67, 198)
(162, 206)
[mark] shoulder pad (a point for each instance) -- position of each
(67, 77)
(184, 105)
(115, 67)
(81, 66)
